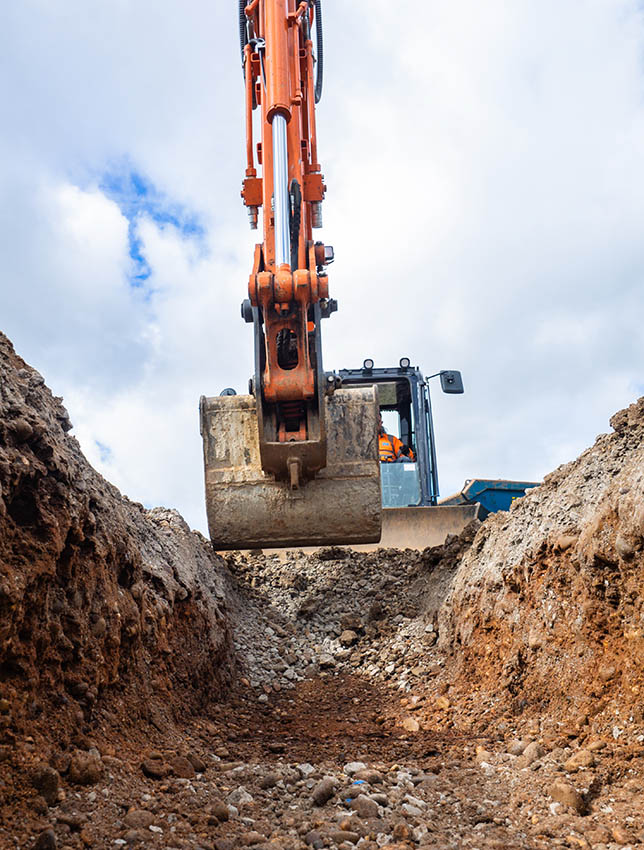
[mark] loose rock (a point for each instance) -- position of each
(138, 818)
(46, 840)
(86, 768)
(364, 807)
(323, 791)
(567, 795)
(155, 768)
(46, 780)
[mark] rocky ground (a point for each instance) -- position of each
(483, 694)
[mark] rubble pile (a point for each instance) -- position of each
(372, 613)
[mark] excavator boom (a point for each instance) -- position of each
(295, 462)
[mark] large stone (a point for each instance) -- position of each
(517, 747)
(240, 797)
(305, 770)
(368, 775)
(566, 794)
(197, 762)
(579, 759)
(46, 780)
(411, 810)
(314, 839)
(364, 807)
(323, 791)
(182, 767)
(155, 768)
(402, 832)
(351, 622)
(348, 637)
(269, 780)
(219, 810)
(531, 753)
(85, 768)
(338, 836)
(74, 820)
(46, 840)
(138, 819)
(252, 838)
(353, 767)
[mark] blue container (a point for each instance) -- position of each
(492, 494)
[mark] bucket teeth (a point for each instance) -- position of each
(249, 509)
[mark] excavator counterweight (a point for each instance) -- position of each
(296, 461)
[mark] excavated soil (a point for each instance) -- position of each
(482, 694)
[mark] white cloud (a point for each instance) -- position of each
(485, 165)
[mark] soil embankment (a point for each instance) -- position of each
(105, 608)
(482, 694)
(548, 603)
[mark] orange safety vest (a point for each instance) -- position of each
(388, 447)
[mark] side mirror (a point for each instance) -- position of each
(451, 382)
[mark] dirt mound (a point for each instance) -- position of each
(546, 607)
(105, 608)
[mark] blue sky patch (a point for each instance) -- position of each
(139, 198)
(105, 452)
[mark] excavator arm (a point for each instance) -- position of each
(295, 462)
(288, 288)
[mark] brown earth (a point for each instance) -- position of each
(486, 693)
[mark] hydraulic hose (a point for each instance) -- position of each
(243, 41)
(319, 40)
(243, 36)
(296, 216)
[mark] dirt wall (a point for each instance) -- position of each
(101, 601)
(546, 606)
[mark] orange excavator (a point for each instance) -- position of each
(294, 462)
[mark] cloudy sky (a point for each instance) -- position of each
(485, 172)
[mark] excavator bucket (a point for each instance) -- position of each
(248, 509)
(419, 527)
(410, 528)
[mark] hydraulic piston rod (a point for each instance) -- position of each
(280, 192)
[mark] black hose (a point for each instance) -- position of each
(243, 34)
(296, 216)
(319, 40)
(243, 41)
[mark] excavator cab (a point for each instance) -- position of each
(405, 407)
(411, 515)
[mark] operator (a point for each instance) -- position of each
(391, 449)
